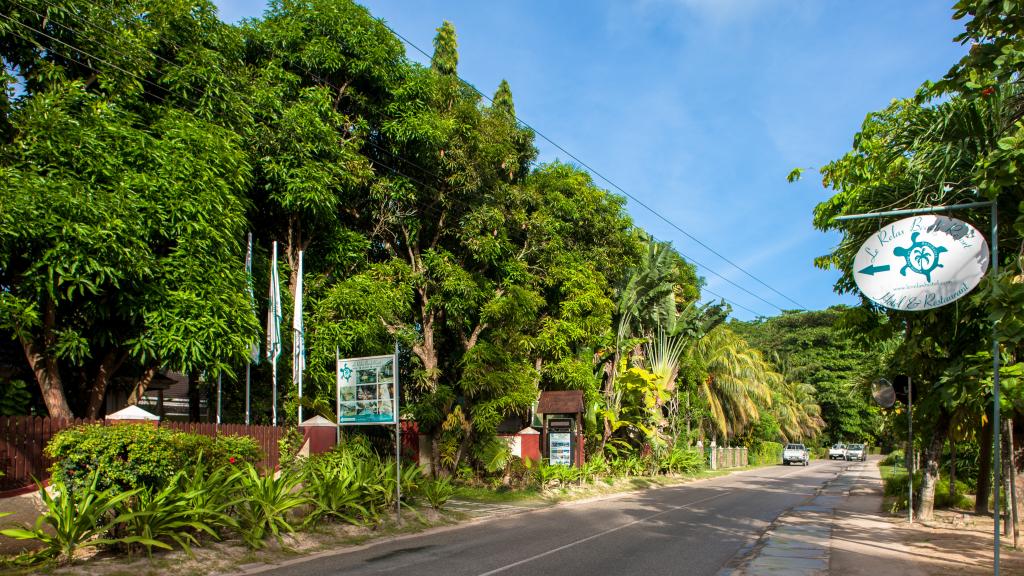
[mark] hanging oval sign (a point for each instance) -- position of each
(920, 263)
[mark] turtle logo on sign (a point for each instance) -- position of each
(921, 257)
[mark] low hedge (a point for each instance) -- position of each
(139, 455)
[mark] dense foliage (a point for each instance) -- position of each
(956, 141)
(141, 140)
(137, 455)
(815, 349)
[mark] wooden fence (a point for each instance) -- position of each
(22, 439)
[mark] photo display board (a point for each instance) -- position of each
(560, 448)
(366, 390)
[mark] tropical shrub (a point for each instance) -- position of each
(288, 447)
(159, 516)
(543, 474)
(517, 473)
(372, 478)
(894, 458)
(765, 453)
(76, 518)
(438, 492)
(896, 487)
(631, 465)
(265, 502)
(594, 467)
(137, 455)
(682, 461)
(334, 495)
(211, 493)
(233, 449)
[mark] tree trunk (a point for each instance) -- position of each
(1014, 483)
(467, 438)
(142, 384)
(98, 392)
(435, 456)
(984, 469)
(930, 468)
(952, 468)
(426, 351)
(44, 366)
(194, 413)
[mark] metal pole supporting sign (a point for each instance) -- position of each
(398, 446)
(926, 266)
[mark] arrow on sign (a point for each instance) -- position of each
(872, 270)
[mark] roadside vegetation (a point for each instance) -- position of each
(140, 142)
(956, 140)
(134, 164)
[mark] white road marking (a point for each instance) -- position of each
(599, 534)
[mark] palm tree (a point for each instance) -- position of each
(735, 382)
(645, 300)
(796, 410)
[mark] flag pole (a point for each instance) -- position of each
(248, 370)
(337, 397)
(398, 444)
(274, 328)
(218, 397)
(298, 337)
(254, 347)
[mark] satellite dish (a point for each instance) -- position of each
(883, 393)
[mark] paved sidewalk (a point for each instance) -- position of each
(839, 531)
(842, 530)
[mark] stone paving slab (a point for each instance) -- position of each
(762, 562)
(781, 550)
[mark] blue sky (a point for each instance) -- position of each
(699, 108)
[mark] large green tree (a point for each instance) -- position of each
(121, 199)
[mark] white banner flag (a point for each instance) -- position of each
(274, 311)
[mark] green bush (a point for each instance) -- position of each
(766, 453)
(335, 495)
(894, 458)
(682, 460)
(518, 472)
(365, 475)
(234, 449)
(438, 492)
(161, 516)
(265, 502)
(137, 455)
(73, 519)
(896, 487)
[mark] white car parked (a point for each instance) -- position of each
(837, 452)
(856, 452)
(794, 453)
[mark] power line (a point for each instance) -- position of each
(80, 51)
(613, 184)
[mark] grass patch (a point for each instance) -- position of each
(500, 495)
(895, 482)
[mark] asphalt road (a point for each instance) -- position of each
(691, 529)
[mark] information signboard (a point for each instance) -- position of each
(560, 448)
(366, 390)
(921, 262)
